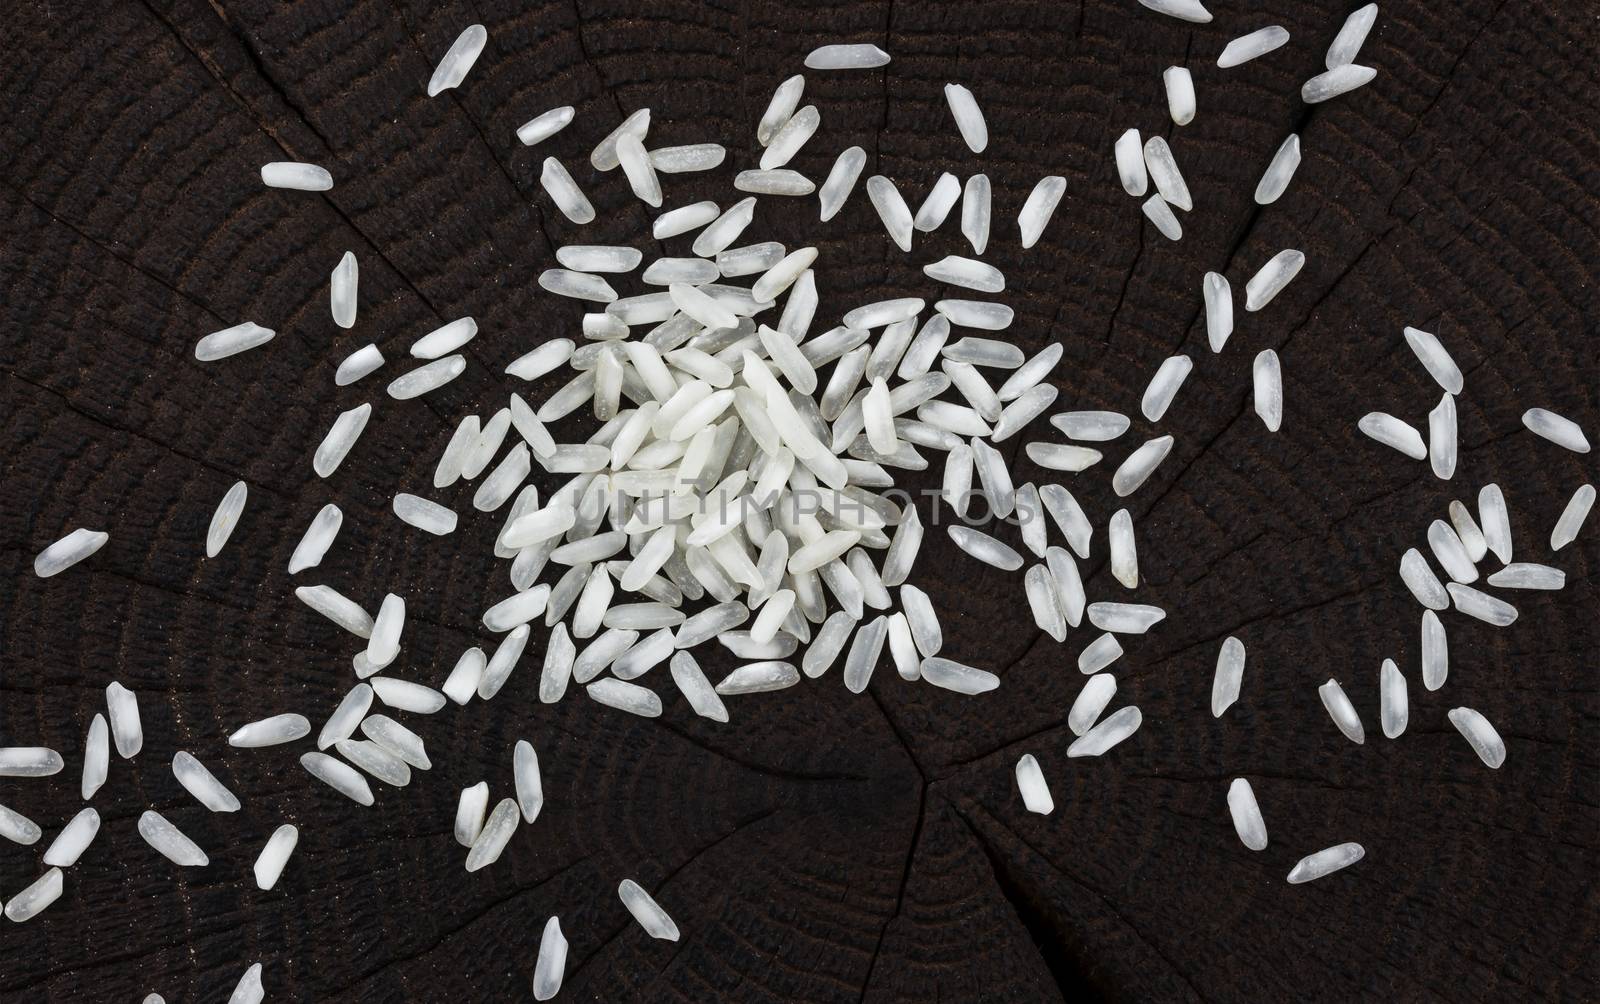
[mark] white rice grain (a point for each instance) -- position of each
(275, 855)
(1039, 207)
(640, 172)
(319, 536)
(1467, 529)
(1124, 553)
(790, 137)
(463, 52)
(759, 678)
(1069, 516)
(865, 650)
(1183, 10)
(1100, 739)
(341, 777)
(1030, 517)
(525, 772)
(841, 181)
(1442, 438)
(1347, 44)
(1450, 552)
(341, 437)
(1229, 675)
(1163, 387)
(1158, 212)
(1496, 521)
(342, 285)
(1342, 711)
(725, 229)
(781, 181)
(963, 679)
(352, 709)
(1091, 701)
(1528, 575)
(384, 643)
(1164, 172)
(955, 270)
(1325, 862)
(552, 961)
(1068, 584)
(1337, 81)
(976, 212)
(1099, 654)
(96, 757)
(941, 198)
(785, 99)
(1248, 47)
(1267, 376)
(1435, 651)
(691, 157)
(504, 660)
(1393, 433)
(30, 902)
(604, 156)
(647, 911)
(1419, 578)
(273, 731)
(1561, 431)
(170, 842)
(297, 176)
(863, 56)
(376, 761)
(564, 192)
(628, 697)
(73, 839)
(1480, 735)
(1141, 463)
(1570, 522)
(427, 378)
(397, 739)
(1031, 784)
(496, 834)
(17, 828)
(684, 219)
(996, 476)
(1130, 163)
(1043, 604)
(68, 551)
(404, 695)
(1056, 457)
(1246, 813)
(1481, 606)
(1280, 171)
(1091, 426)
(1179, 84)
(226, 518)
(541, 127)
(969, 117)
(445, 339)
(1272, 277)
(1393, 704)
(1435, 359)
(472, 810)
(579, 258)
(892, 210)
(424, 514)
(696, 689)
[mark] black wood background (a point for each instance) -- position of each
(823, 846)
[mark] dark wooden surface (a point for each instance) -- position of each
(823, 846)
